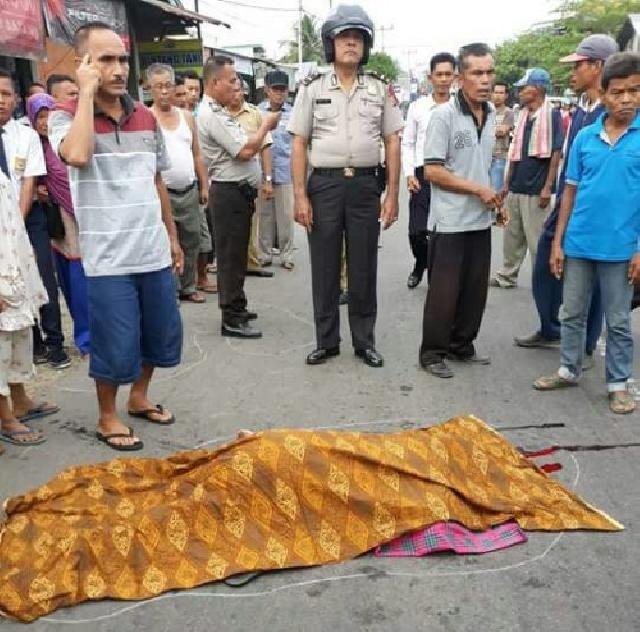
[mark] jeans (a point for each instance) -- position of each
(580, 276)
(73, 284)
(496, 173)
(547, 293)
(50, 319)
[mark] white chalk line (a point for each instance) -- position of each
(322, 580)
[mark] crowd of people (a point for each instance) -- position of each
(129, 208)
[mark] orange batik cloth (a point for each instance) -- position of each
(133, 528)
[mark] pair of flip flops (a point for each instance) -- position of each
(40, 410)
(10, 436)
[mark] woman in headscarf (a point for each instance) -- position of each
(54, 187)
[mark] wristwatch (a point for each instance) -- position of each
(268, 178)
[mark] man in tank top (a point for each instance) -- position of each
(186, 179)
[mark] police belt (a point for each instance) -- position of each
(247, 190)
(182, 191)
(346, 172)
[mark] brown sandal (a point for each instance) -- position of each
(621, 402)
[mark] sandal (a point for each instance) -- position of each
(43, 409)
(553, 383)
(621, 402)
(9, 437)
(288, 265)
(146, 415)
(107, 439)
(193, 297)
(208, 288)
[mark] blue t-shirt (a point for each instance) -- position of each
(605, 222)
(529, 174)
(281, 147)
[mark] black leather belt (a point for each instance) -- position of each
(346, 172)
(182, 191)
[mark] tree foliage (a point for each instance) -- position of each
(544, 45)
(311, 42)
(384, 65)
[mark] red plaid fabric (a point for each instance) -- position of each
(452, 536)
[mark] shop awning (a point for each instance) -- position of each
(185, 13)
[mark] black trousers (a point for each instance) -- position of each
(50, 319)
(349, 209)
(419, 204)
(457, 294)
(232, 212)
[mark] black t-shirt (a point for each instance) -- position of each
(529, 174)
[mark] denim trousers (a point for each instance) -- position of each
(496, 173)
(580, 276)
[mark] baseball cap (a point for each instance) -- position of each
(535, 77)
(593, 47)
(276, 78)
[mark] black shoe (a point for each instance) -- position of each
(439, 369)
(259, 273)
(241, 330)
(41, 356)
(320, 356)
(58, 359)
(370, 357)
(472, 359)
(414, 280)
(247, 315)
(344, 298)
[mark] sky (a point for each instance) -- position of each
(419, 29)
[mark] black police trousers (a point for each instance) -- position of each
(232, 211)
(349, 209)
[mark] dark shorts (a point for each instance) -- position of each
(133, 320)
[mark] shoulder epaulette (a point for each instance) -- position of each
(309, 79)
(375, 75)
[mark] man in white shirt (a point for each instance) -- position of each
(442, 73)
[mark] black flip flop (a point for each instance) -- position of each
(241, 579)
(106, 439)
(144, 414)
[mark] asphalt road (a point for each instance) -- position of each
(568, 582)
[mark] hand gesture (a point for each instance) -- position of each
(413, 184)
(271, 120)
(488, 196)
(303, 213)
(88, 76)
(389, 211)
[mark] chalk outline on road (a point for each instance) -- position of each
(321, 580)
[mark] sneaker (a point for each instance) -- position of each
(58, 359)
(537, 341)
(41, 356)
(494, 282)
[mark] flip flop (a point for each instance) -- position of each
(552, 383)
(8, 437)
(288, 265)
(43, 409)
(241, 579)
(194, 297)
(106, 439)
(621, 403)
(145, 414)
(209, 288)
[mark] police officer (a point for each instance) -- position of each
(341, 119)
(234, 172)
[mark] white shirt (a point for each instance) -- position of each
(179, 143)
(414, 135)
(24, 153)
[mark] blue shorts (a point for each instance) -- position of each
(133, 320)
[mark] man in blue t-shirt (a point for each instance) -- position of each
(534, 158)
(598, 232)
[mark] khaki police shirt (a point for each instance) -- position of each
(221, 139)
(344, 129)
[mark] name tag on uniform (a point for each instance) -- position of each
(323, 101)
(19, 163)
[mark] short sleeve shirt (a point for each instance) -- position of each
(454, 141)
(115, 197)
(345, 129)
(281, 148)
(528, 175)
(221, 139)
(24, 153)
(605, 221)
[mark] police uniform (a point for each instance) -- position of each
(344, 132)
(233, 190)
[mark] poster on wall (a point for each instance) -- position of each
(65, 16)
(21, 29)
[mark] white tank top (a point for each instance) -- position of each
(182, 172)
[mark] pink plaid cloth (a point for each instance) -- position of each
(452, 536)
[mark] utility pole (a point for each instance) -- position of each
(300, 16)
(382, 30)
(196, 8)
